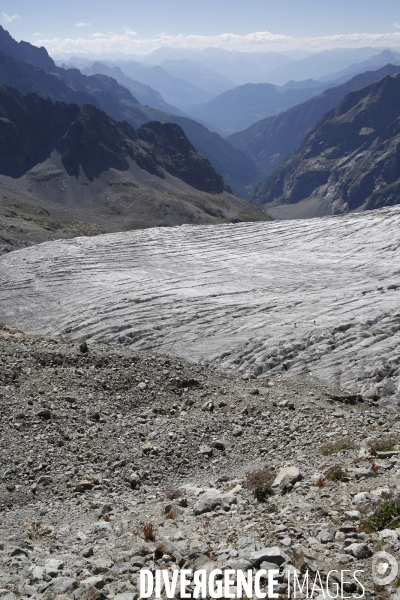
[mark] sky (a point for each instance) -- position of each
(141, 26)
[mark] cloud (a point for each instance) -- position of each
(9, 18)
(260, 41)
(397, 25)
(82, 24)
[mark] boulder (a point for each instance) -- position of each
(272, 555)
(211, 499)
(287, 476)
(359, 551)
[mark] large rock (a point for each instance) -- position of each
(211, 499)
(272, 555)
(63, 585)
(286, 477)
(359, 550)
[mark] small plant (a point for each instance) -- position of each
(148, 532)
(383, 444)
(335, 447)
(260, 482)
(172, 493)
(171, 515)
(159, 552)
(320, 482)
(375, 468)
(385, 516)
(335, 473)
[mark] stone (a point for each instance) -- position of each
(363, 472)
(205, 450)
(84, 485)
(52, 566)
(286, 477)
(61, 586)
(237, 432)
(211, 499)
(388, 454)
(273, 555)
(101, 566)
(359, 551)
(97, 581)
(326, 536)
(388, 534)
(222, 445)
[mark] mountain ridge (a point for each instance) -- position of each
(270, 141)
(349, 160)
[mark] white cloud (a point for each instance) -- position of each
(82, 24)
(9, 18)
(129, 42)
(397, 25)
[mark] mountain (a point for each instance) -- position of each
(348, 162)
(79, 164)
(372, 64)
(24, 51)
(270, 141)
(142, 92)
(105, 92)
(199, 75)
(238, 108)
(319, 65)
(26, 77)
(241, 67)
(174, 90)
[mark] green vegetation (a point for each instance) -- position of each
(335, 473)
(335, 447)
(383, 444)
(260, 482)
(386, 516)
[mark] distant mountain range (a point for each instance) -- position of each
(79, 164)
(142, 92)
(70, 85)
(371, 64)
(244, 105)
(175, 91)
(270, 141)
(349, 161)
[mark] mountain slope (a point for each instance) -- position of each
(79, 164)
(270, 141)
(174, 90)
(349, 161)
(142, 92)
(105, 92)
(238, 108)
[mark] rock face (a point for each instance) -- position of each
(348, 162)
(86, 138)
(270, 141)
(80, 164)
(267, 299)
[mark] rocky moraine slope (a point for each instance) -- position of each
(112, 461)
